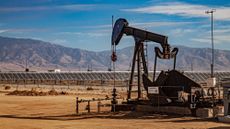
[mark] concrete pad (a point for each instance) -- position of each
(224, 119)
(208, 112)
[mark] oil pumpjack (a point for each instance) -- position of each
(169, 82)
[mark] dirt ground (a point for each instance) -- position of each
(58, 112)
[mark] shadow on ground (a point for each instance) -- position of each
(220, 127)
(109, 115)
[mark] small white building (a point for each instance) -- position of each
(54, 70)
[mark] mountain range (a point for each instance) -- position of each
(16, 54)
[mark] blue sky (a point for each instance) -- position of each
(86, 24)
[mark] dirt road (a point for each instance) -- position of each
(58, 112)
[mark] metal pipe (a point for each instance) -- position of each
(212, 62)
(138, 73)
(77, 106)
(212, 67)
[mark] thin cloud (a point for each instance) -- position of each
(95, 26)
(93, 34)
(183, 9)
(59, 41)
(159, 24)
(102, 33)
(222, 30)
(21, 31)
(201, 40)
(181, 31)
(77, 7)
(221, 35)
(222, 38)
(74, 7)
(3, 31)
(218, 39)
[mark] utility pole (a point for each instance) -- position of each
(212, 63)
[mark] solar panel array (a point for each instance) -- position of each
(63, 76)
(202, 76)
(196, 76)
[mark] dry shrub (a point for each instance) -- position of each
(7, 87)
(53, 92)
(34, 92)
(64, 93)
(89, 88)
(27, 93)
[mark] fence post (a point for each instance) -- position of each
(24, 83)
(17, 86)
(77, 111)
(158, 100)
(88, 106)
(99, 106)
(38, 83)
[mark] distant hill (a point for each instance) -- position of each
(42, 55)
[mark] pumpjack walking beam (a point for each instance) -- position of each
(121, 27)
